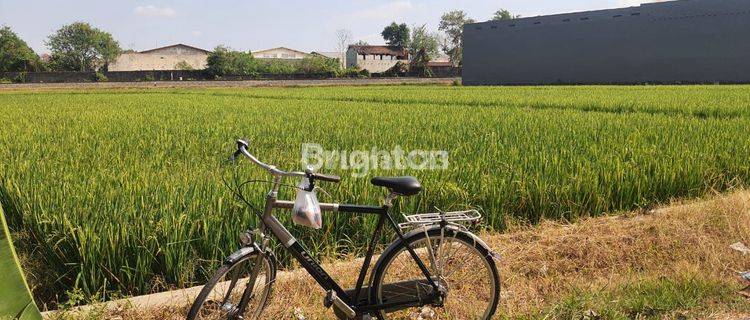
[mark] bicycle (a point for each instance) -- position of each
(438, 262)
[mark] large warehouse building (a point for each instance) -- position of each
(687, 41)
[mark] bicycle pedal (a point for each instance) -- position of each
(339, 306)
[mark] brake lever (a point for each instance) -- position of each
(234, 156)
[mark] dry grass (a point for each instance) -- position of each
(546, 265)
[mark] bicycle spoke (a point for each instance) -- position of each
(458, 268)
(225, 296)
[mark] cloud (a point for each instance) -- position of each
(154, 11)
(196, 33)
(373, 38)
(385, 11)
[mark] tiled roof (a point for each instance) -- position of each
(384, 50)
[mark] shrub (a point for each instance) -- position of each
(348, 72)
(318, 65)
(223, 61)
(100, 77)
(149, 77)
(275, 67)
(397, 70)
(20, 77)
(5, 81)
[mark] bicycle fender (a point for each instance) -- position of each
(239, 254)
(455, 230)
(494, 255)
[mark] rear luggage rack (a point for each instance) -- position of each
(453, 218)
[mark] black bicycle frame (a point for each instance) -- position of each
(321, 276)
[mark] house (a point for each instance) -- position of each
(174, 57)
(339, 56)
(375, 59)
(280, 53)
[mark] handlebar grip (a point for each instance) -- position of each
(326, 177)
(242, 144)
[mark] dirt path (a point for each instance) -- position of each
(229, 84)
(545, 269)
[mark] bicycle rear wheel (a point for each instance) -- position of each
(221, 297)
(461, 266)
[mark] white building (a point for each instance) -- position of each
(163, 58)
(375, 59)
(280, 53)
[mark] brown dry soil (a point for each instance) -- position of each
(231, 84)
(669, 263)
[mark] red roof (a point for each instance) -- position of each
(384, 50)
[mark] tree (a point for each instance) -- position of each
(423, 39)
(504, 14)
(15, 54)
(418, 63)
(424, 47)
(343, 39)
(81, 47)
(452, 23)
(396, 35)
(361, 43)
(224, 60)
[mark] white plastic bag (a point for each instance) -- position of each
(306, 211)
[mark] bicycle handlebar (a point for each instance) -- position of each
(242, 146)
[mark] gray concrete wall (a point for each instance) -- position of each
(372, 63)
(165, 58)
(158, 61)
(351, 58)
(687, 41)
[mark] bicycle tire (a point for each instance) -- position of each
(229, 265)
(398, 247)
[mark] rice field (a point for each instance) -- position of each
(121, 191)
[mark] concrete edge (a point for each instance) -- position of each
(180, 297)
(229, 84)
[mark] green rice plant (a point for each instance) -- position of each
(121, 190)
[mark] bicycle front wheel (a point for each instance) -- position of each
(461, 266)
(250, 277)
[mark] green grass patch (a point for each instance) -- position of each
(681, 298)
(120, 190)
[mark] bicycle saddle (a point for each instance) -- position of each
(405, 186)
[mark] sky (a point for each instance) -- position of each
(256, 25)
